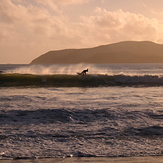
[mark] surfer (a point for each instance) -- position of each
(83, 72)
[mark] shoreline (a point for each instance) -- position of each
(139, 159)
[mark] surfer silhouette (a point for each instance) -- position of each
(83, 72)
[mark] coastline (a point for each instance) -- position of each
(143, 159)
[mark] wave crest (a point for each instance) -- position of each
(79, 81)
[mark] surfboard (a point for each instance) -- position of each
(79, 73)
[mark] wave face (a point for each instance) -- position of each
(79, 81)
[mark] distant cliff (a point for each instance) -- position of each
(122, 52)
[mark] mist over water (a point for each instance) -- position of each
(72, 69)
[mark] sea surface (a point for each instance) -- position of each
(119, 112)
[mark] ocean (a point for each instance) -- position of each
(48, 111)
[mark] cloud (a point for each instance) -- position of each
(67, 2)
(119, 25)
(31, 28)
(25, 27)
(54, 3)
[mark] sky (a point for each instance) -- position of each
(30, 28)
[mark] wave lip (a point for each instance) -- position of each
(79, 81)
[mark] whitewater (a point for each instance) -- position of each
(124, 118)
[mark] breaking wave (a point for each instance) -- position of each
(79, 81)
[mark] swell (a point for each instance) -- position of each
(9, 80)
